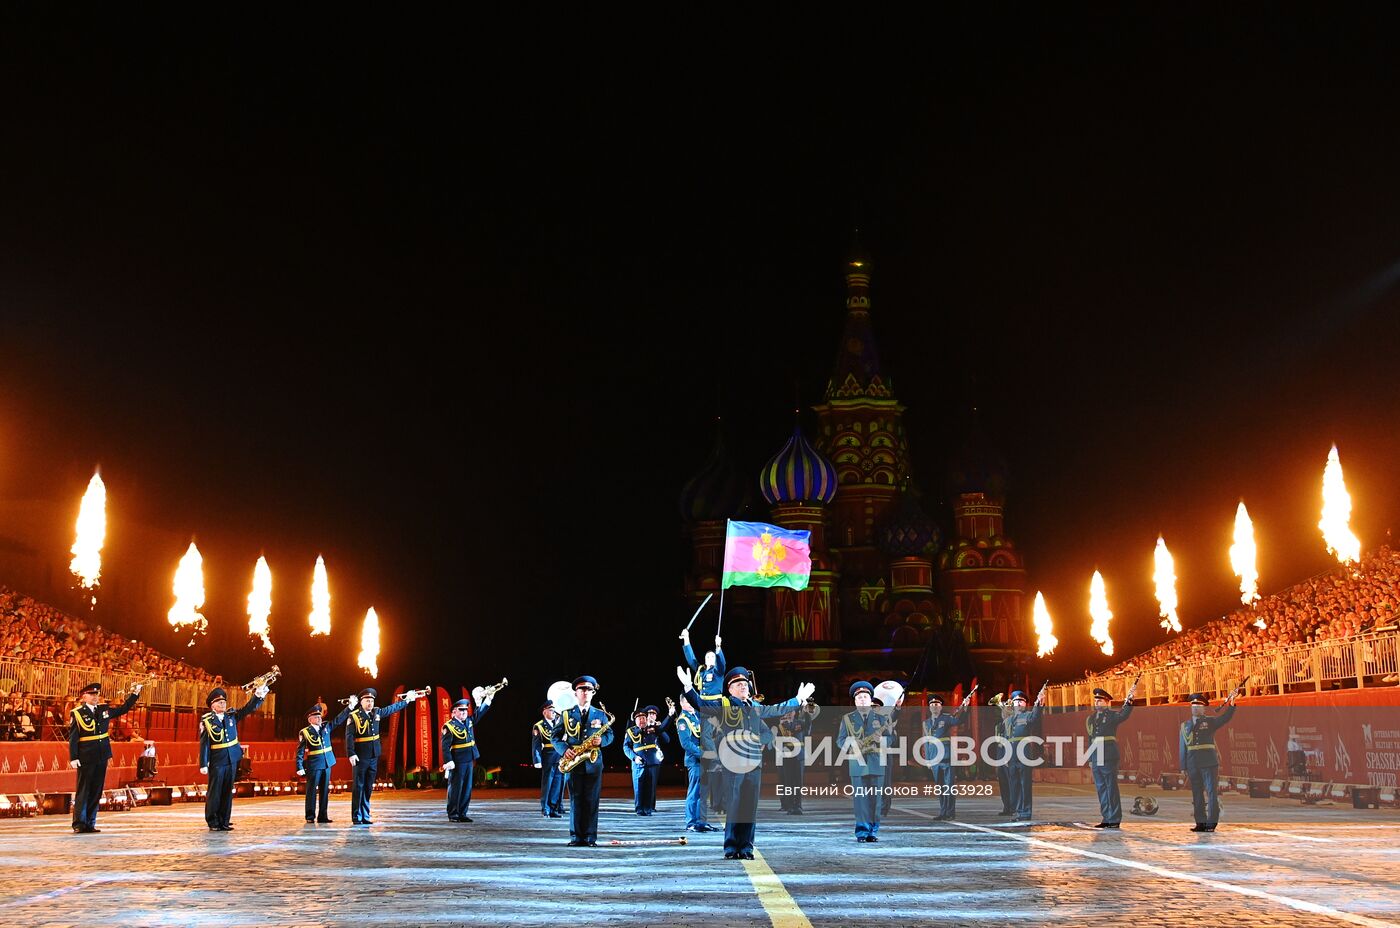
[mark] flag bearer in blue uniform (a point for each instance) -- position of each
(708, 677)
(938, 752)
(315, 758)
(869, 730)
(580, 727)
(1023, 723)
(459, 749)
(642, 744)
(1200, 760)
(743, 737)
(1102, 726)
(695, 741)
(547, 762)
(219, 754)
(89, 750)
(363, 749)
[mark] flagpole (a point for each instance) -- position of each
(720, 623)
(724, 558)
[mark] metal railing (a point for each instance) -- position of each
(1367, 660)
(42, 680)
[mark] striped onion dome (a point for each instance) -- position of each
(798, 474)
(717, 491)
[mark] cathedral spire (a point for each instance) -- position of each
(857, 370)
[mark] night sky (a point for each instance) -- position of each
(463, 321)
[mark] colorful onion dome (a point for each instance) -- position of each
(716, 491)
(798, 474)
(908, 532)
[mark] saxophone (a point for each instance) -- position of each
(588, 750)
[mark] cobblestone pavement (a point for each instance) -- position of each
(1272, 863)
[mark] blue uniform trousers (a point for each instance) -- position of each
(585, 789)
(218, 802)
(92, 774)
(1106, 785)
(741, 807)
(1021, 780)
(695, 795)
(944, 783)
(790, 775)
(644, 787)
(1205, 798)
(361, 788)
(551, 784)
(459, 789)
(1004, 788)
(867, 803)
(318, 783)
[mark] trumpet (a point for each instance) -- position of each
(487, 692)
(417, 694)
(147, 680)
(265, 679)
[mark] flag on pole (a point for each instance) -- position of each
(756, 554)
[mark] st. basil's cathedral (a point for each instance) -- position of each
(889, 598)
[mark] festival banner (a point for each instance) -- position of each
(390, 759)
(423, 711)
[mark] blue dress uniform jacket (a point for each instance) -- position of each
(314, 751)
(220, 751)
(707, 681)
(792, 769)
(586, 779)
(867, 770)
(1200, 761)
(939, 728)
(362, 740)
(639, 744)
(741, 805)
(1019, 726)
(459, 746)
(695, 740)
(316, 757)
(1102, 728)
(551, 780)
(91, 746)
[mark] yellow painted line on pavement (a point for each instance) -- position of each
(783, 911)
(1299, 904)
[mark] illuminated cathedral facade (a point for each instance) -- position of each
(889, 597)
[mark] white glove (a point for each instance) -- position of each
(660, 755)
(138, 687)
(683, 675)
(717, 642)
(301, 773)
(75, 764)
(260, 692)
(204, 770)
(539, 766)
(354, 759)
(637, 762)
(685, 635)
(450, 765)
(805, 691)
(410, 696)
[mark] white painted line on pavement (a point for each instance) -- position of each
(1279, 834)
(1299, 904)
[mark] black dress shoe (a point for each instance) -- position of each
(592, 843)
(366, 821)
(228, 828)
(465, 818)
(215, 828)
(310, 820)
(1102, 825)
(731, 855)
(872, 839)
(453, 818)
(575, 842)
(862, 838)
(746, 855)
(556, 815)
(325, 821)
(1199, 827)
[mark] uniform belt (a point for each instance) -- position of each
(647, 747)
(709, 698)
(1200, 747)
(370, 738)
(464, 744)
(228, 745)
(314, 753)
(93, 737)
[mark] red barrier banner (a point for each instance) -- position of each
(423, 710)
(43, 766)
(390, 757)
